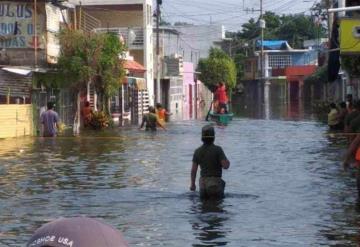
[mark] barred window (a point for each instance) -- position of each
(280, 61)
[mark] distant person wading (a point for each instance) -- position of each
(150, 120)
(49, 121)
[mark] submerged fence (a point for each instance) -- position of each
(16, 120)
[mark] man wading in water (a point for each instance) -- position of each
(212, 160)
(150, 120)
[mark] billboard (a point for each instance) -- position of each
(18, 25)
(349, 36)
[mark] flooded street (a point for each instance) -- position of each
(285, 186)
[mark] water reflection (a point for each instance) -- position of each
(209, 224)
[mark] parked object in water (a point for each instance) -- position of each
(221, 118)
(77, 232)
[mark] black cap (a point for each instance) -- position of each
(77, 232)
(208, 131)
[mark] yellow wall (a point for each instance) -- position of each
(349, 42)
(15, 120)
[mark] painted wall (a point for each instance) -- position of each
(188, 91)
(176, 98)
(18, 32)
(16, 121)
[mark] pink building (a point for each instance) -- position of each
(189, 91)
(196, 96)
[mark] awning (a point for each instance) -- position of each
(134, 66)
(25, 71)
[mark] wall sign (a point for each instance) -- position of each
(17, 25)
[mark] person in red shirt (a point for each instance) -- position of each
(221, 97)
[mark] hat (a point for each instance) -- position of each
(208, 131)
(77, 232)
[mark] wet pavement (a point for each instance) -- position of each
(285, 186)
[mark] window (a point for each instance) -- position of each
(280, 61)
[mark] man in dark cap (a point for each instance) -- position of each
(212, 160)
(76, 232)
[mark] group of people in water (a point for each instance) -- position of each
(156, 117)
(346, 119)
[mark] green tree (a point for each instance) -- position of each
(91, 58)
(216, 68)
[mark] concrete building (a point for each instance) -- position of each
(132, 20)
(181, 92)
(28, 45)
(196, 40)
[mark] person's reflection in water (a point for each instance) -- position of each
(209, 223)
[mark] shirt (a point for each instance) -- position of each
(220, 95)
(209, 157)
(48, 119)
(150, 120)
(333, 117)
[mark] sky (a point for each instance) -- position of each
(230, 13)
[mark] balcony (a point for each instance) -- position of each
(133, 37)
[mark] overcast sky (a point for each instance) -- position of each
(230, 13)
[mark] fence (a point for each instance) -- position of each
(64, 105)
(16, 121)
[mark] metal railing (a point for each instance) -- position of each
(88, 23)
(132, 36)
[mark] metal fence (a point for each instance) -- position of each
(64, 105)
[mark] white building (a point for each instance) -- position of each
(131, 19)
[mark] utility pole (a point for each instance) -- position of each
(35, 35)
(158, 74)
(329, 5)
(261, 23)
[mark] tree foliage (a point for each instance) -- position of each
(351, 64)
(320, 76)
(293, 28)
(91, 57)
(218, 67)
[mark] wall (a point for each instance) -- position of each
(188, 79)
(18, 32)
(305, 58)
(110, 18)
(196, 40)
(176, 98)
(16, 120)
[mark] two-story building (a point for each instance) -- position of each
(28, 46)
(283, 66)
(180, 50)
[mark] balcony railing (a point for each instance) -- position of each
(133, 37)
